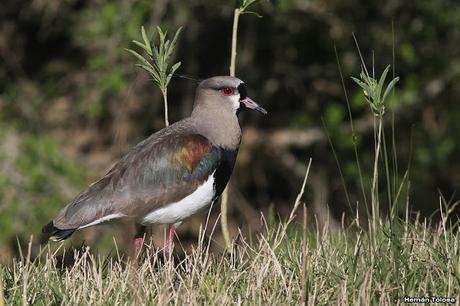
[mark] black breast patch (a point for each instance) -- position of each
(224, 169)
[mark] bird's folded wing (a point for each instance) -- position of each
(158, 171)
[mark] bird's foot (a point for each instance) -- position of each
(138, 243)
(169, 243)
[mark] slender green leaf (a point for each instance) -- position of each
(381, 82)
(144, 63)
(138, 43)
(173, 69)
(251, 13)
(147, 43)
(359, 82)
(389, 87)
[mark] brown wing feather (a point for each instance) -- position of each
(153, 174)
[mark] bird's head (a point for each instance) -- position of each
(229, 91)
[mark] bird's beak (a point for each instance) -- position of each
(249, 103)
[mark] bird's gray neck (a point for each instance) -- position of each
(219, 125)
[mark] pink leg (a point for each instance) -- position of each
(139, 241)
(169, 242)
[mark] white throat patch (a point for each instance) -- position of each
(235, 101)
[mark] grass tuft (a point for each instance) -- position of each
(279, 267)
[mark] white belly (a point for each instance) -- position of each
(188, 206)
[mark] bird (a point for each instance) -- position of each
(173, 174)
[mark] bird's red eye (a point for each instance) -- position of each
(228, 91)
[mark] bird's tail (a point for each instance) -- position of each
(55, 233)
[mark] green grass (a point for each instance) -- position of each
(283, 265)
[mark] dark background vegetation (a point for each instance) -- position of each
(72, 101)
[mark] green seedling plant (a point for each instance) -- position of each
(157, 61)
(373, 89)
(375, 94)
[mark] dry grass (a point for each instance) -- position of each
(281, 266)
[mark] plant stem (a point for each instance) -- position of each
(165, 100)
(374, 192)
(26, 272)
(304, 278)
(224, 219)
(2, 298)
(236, 17)
(224, 202)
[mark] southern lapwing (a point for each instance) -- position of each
(170, 176)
